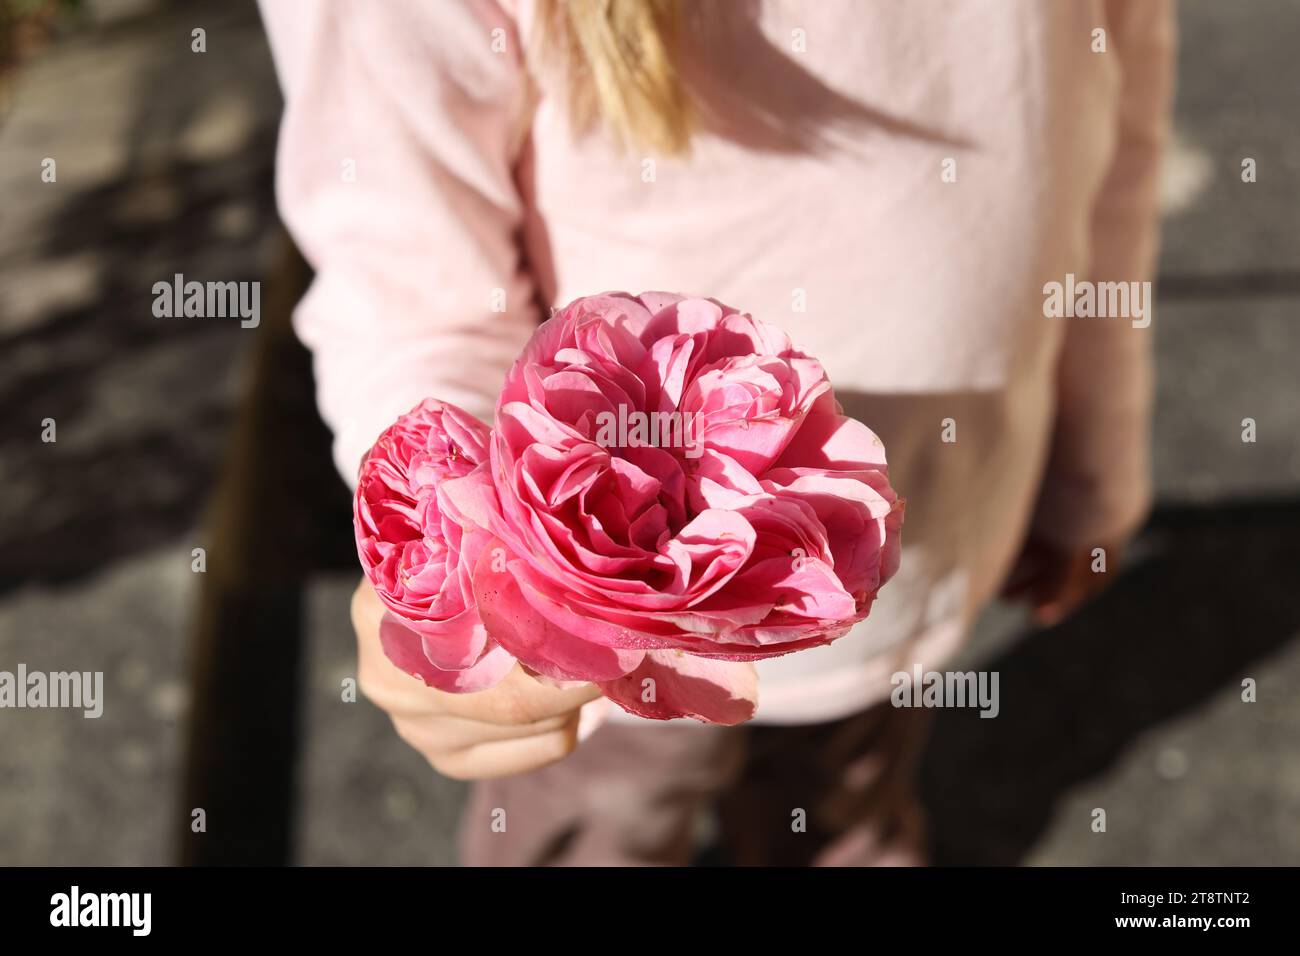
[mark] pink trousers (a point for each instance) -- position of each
(834, 794)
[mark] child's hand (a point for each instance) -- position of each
(1055, 582)
(519, 725)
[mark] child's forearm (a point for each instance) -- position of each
(397, 182)
(1098, 482)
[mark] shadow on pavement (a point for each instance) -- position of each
(142, 404)
(1210, 598)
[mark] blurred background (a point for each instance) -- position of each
(224, 688)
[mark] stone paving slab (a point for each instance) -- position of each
(99, 791)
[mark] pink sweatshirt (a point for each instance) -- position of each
(893, 184)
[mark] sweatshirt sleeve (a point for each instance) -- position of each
(1098, 480)
(402, 125)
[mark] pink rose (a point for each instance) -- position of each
(672, 492)
(418, 554)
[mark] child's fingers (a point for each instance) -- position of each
(1068, 590)
(504, 758)
(1021, 580)
(520, 700)
(434, 736)
(516, 726)
(1034, 562)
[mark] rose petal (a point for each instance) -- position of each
(405, 648)
(536, 642)
(716, 692)
(471, 499)
(452, 644)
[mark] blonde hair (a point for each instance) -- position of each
(619, 63)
